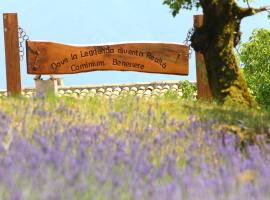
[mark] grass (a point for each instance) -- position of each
(252, 120)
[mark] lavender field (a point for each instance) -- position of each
(132, 148)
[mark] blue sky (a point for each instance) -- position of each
(93, 22)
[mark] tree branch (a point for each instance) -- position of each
(248, 4)
(245, 12)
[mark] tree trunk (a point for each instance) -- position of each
(216, 40)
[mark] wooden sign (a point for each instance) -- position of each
(55, 58)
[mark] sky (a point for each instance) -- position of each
(107, 21)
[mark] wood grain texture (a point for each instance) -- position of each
(13, 75)
(204, 91)
(56, 58)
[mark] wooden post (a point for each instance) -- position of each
(12, 53)
(204, 91)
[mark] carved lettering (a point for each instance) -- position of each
(97, 51)
(87, 65)
(130, 52)
(74, 56)
(56, 65)
(158, 60)
(127, 64)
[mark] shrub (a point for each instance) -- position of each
(189, 90)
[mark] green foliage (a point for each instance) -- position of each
(171, 95)
(176, 5)
(254, 56)
(188, 90)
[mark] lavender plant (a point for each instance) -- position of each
(127, 149)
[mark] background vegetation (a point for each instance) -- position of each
(255, 59)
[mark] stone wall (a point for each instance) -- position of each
(144, 89)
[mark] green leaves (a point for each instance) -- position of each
(177, 5)
(255, 57)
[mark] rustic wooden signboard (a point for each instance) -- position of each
(56, 58)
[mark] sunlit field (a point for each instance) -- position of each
(132, 148)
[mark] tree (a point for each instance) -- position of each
(255, 57)
(216, 40)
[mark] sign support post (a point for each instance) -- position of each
(12, 53)
(204, 91)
